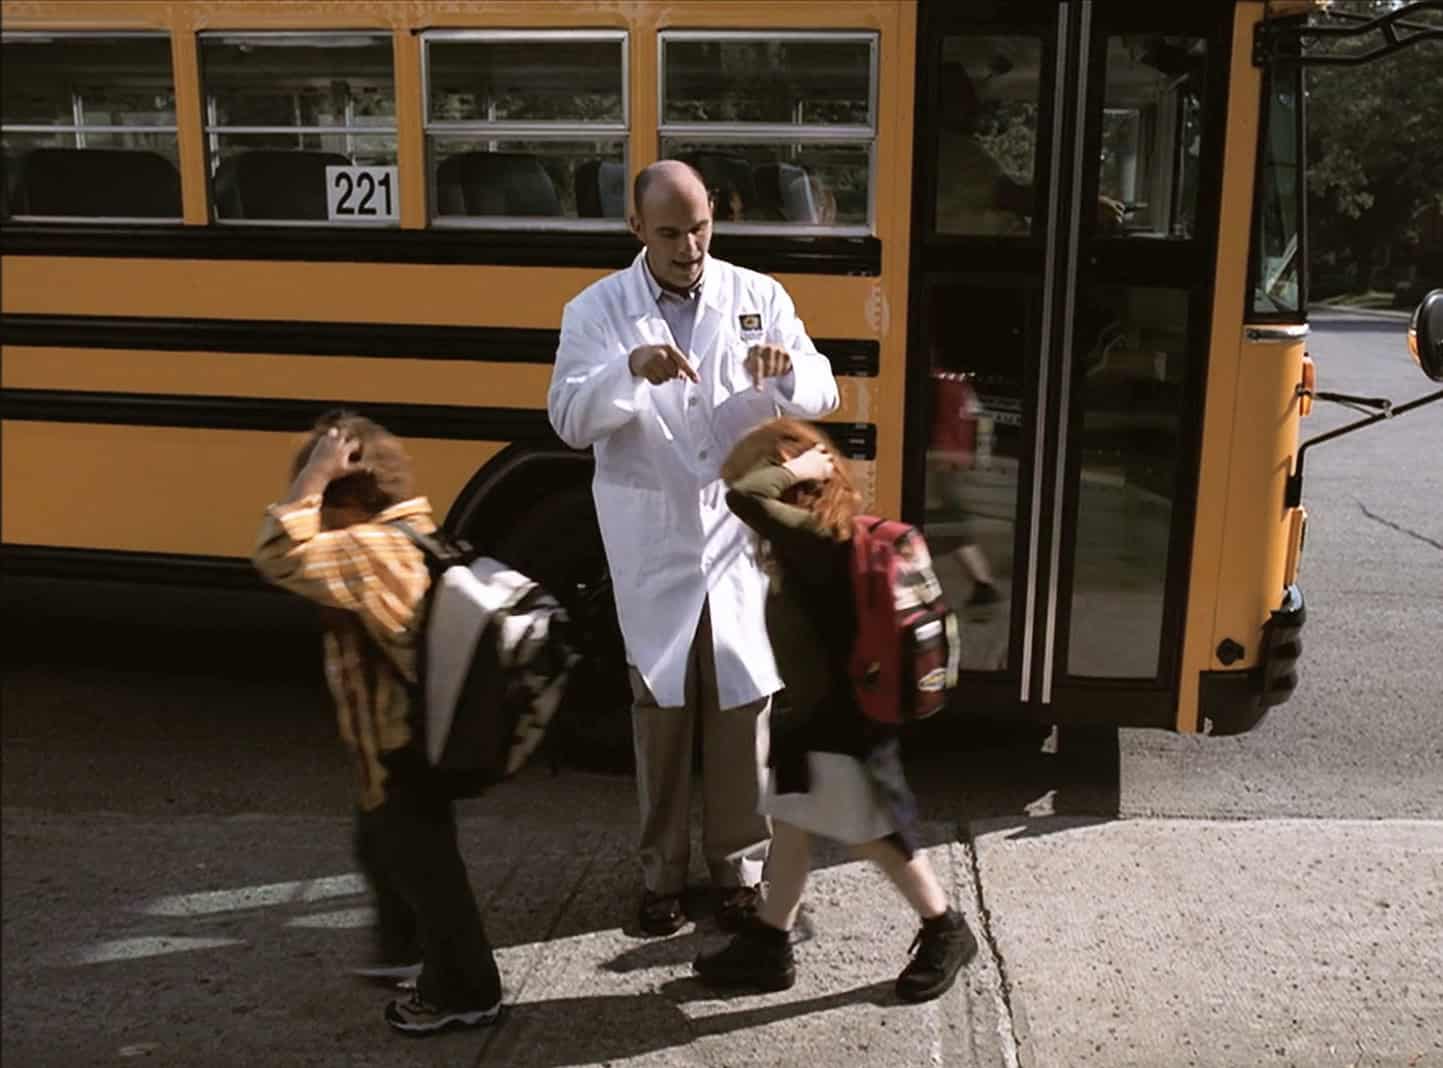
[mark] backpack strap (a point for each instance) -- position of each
(437, 555)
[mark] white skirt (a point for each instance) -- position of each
(842, 803)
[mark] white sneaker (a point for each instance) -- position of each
(415, 1017)
(388, 973)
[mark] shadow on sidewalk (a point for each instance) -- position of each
(602, 1030)
(1019, 775)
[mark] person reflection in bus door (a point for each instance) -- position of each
(333, 539)
(832, 771)
(951, 454)
(974, 194)
(662, 367)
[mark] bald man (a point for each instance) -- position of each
(661, 369)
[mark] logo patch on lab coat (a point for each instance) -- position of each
(751, 326)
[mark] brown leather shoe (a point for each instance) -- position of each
(660, 914)
(737, 907)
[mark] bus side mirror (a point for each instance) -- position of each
(1425, 335)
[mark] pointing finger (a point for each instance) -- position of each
(682, 364)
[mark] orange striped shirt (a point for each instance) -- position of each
(373, 578)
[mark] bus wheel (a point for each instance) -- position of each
(558, 543)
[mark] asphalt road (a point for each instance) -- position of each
(1362, 736)
(146, 766)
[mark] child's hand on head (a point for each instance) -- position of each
(335, 456)
(814, 465)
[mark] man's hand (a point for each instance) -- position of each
(1110, 213)
(767, 361)
(660, 363)
(814, 465)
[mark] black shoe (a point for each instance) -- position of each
(737, 908)
(940, 949)
(759, 956)
(660, 914)
(984, 595)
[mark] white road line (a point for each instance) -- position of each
(135, 948)
(340, 919)
(254, 897)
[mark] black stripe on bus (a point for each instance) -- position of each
(484, 344)
(441, 421)
(857, 441)
(772, 253)
(116, 565)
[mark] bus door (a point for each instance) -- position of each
(1068, 160)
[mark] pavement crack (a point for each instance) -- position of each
(989, 935)
(1424, 538)
(520, 985)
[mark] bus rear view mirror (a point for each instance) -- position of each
(1425, 335)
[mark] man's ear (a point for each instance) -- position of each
(634, 222)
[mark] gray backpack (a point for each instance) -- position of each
(493, 661)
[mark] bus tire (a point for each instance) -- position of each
(557, 542)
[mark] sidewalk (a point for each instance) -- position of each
(1155, 943)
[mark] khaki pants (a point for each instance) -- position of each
(733, 748)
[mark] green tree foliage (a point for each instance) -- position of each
(1375, 163)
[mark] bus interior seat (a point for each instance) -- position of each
(725, 175)
(267, 183)
(784, 192)
(495, 183)
(112, 183)
(600, 189)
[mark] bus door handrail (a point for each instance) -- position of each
(1049, 268)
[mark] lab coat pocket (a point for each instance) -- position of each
(632, 519)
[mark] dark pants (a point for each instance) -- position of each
(407, 849)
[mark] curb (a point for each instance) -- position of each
(1377, 313)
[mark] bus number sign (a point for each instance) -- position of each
(361, 194)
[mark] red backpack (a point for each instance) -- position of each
(907, 650)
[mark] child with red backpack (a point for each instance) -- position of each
(835, 769)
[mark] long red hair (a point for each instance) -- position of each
(833, 502)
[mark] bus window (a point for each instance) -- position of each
(780, 125)
(89, 128)
(1132, 343)
(1276, 253)
(981, 334)
(1151, 129)
(526, 125)
(986, 134)
(282, 107)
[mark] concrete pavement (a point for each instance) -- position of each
(1155, 943)
(1212, 944)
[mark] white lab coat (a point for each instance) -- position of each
(671, 542)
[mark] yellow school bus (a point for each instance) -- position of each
(1053, 249)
